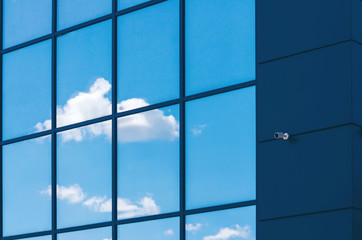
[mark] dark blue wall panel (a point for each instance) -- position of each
(305, 92)
(357, 20)
(310, 173)
(325, 226)
(287, 27)
(357, 82)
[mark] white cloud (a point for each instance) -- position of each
(193, 227)
(126, 209)
(226, 233)
(71, 194)
(94, 103)
(168, 232)
(197, 130)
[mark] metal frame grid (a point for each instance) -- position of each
(114, 223)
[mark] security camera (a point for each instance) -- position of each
(280, 135)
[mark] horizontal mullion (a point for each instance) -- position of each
(138, 7)
(28, 235)
(221, 207)
(220, 90)
(26, 44)
(82, 25)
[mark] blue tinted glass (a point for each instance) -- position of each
(25, 20)
(122, 4)
(148, 163)
(236, 223)
(26, 91)
(72, 12)
(165, 229)
(93, 234)
(84, 74)
(84, 175)
(220, 149)
(26, 169)
(148, 53)
(220, 43)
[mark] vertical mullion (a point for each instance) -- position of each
(182, 118)
(114, 120)
(53, 122)
(1, 119)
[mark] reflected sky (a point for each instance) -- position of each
(148, 142)
(165, 229)
(123, 4)
(220, 149)
(148, 167)
(26, 93)
(84, 74)
(26, 20)
(26, 169)
(238, 224)
(84, 175)
(148, 53)
(220, 43)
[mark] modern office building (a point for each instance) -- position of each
(134, 119)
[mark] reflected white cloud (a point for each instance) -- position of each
(94, 103)
(193, 227)
(125, 208)
(227, 233)
(168, 232)
(71, 194)
(197, 130)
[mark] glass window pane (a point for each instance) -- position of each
(123, 4)
(148, 54)
(26, 93)
(236, 223)
(27, 178)
(220, 43)
(93, 234)
(165, 229)
(25, 20)
(220, 149)
(148, 163)
(84, 188)
(72, 12)
(84, 74)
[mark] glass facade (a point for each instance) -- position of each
(128, 119)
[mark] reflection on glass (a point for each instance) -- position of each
(165, 229)
(236, 223)
(123, 4)
(148, 161)
(26, 169)
(72, 12)
(84, 74)
(25, 20)
(220, 43)
(148, 54)
(93, 234)
(220, 149)
(84, 175)
(26, 93)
